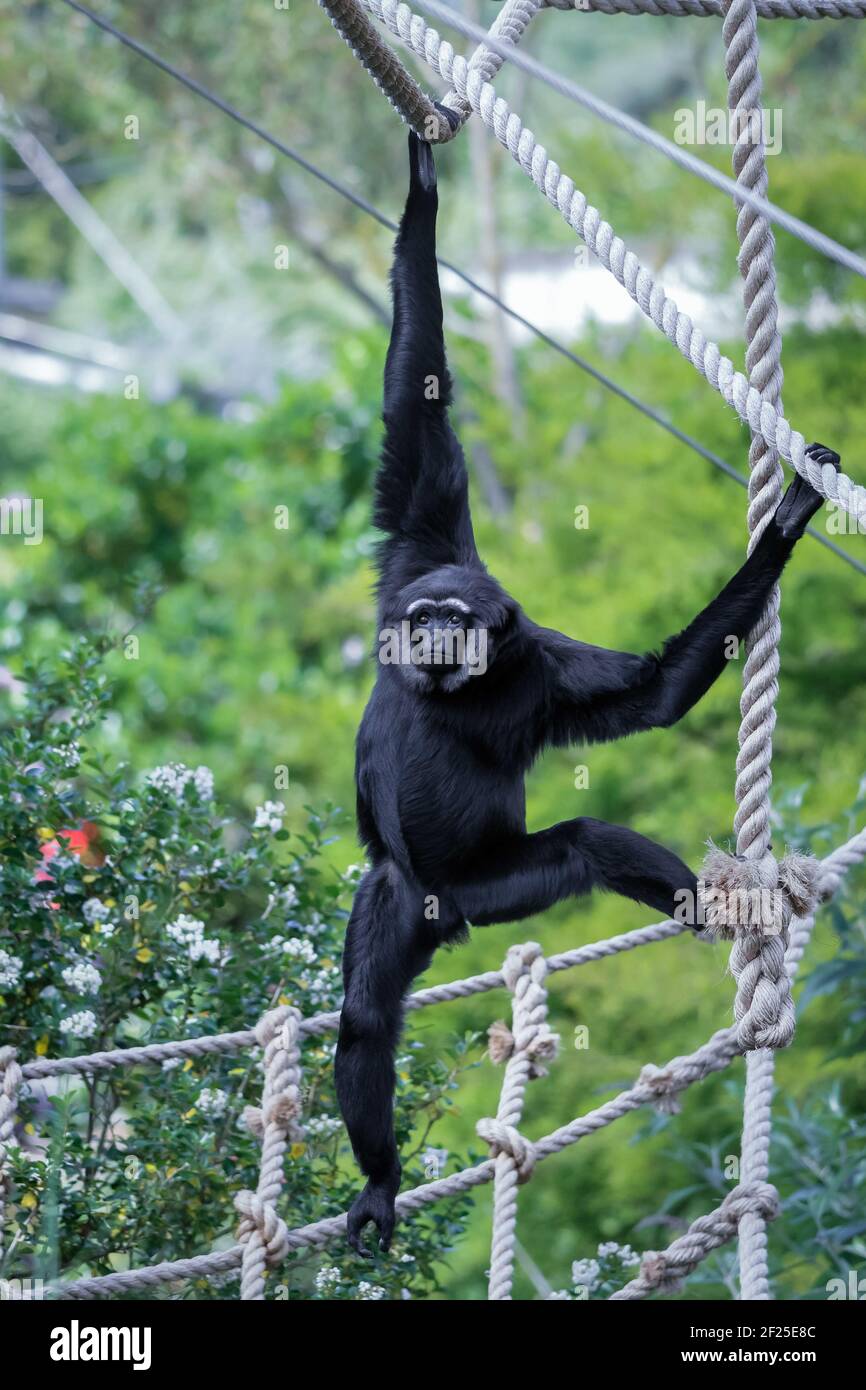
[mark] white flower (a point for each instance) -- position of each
(323, 1126)
(283, 898)
(624, 1253)
(584, 1273)
(83, 978)
(189, 932)
(212, 1102)
(327, 1278)
(10, 969)
(299, 949)
(171, 1062)
(370, 1291)
(80, 1025)
(93, 911)
(270, 816)
(176, 777)
(106, 930)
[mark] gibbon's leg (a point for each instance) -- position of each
(532, 872)
(386, 947)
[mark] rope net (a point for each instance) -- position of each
(765, 953)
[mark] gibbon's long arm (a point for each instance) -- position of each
(601, 695)
(422, 500)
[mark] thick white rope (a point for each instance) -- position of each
(711, 9)
(611, 251)
(262, 1231)
(757, 959)
(91, 1062)
(508, 27)
(532, 1044)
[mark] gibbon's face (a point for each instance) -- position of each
(442, 629)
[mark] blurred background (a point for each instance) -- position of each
(192, 335)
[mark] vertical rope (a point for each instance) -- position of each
(755, 954)
(532, 1042)
(262, 1232)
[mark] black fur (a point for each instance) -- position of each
(442, 755)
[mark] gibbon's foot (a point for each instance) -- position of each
(376, 1204)
(801, 501)
(422, 168)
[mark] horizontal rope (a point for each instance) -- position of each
(611, 251)
(713, 9)
(316, 1024)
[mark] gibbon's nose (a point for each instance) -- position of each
(440, 653)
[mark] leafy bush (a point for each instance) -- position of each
(135, 912)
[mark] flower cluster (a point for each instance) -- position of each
(94, 910)
(269, 816)
(189, 932)
(212, 1102)
(80, 1025)
(82, 978)
(174, 778)
(10, 969)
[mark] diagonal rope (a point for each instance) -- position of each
(427, 43)
(386, 70)
(611, 251)
(712, 9)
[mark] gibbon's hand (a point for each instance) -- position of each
(801, 501)
(376, 1204)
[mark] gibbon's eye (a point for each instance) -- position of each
(454, 620)
(422, 619)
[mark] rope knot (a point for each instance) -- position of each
(505, 1139)
(500, 1042)
(662, 1082)
(752, 902)
(282, 1111)
(278, 1027)
(758, 1198)
(260, 1218)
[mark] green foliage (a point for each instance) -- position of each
(134, 911)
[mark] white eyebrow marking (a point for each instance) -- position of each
(438, 603)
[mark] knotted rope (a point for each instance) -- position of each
(664, 1272)
(262, 1233)
(529, 1046)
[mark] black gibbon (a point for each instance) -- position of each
(449, 733)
